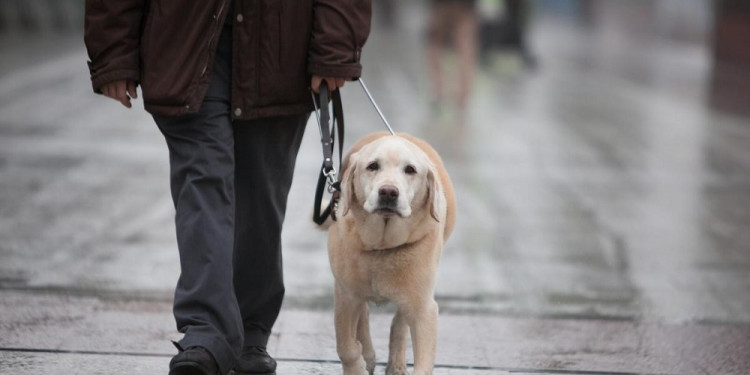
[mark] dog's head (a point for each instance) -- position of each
(390, 177)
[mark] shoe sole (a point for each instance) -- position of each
(188, 369)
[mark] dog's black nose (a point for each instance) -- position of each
(388, 193)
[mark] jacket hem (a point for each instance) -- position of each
(250, 114)
(274, 111)
(345, 71)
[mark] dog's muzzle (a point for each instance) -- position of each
(388, 199)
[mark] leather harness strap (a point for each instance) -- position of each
(328, 174)
(328, 138)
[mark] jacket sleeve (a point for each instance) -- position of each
(340, 29)
(112, 36)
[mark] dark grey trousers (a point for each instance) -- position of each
(230, 183)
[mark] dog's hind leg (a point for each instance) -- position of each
(363, 334)
(397, 346)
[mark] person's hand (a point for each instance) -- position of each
(333, 83)
(121, 91)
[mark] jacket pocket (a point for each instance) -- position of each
(173, 47)
(282, 34)
(287, 80)
(271, 36)
(146, 31)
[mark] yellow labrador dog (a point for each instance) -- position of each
(396, 210)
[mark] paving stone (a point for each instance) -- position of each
(32, 363)
(51, 322)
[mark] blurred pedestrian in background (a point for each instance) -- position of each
(503, 25)
(452, 23)
(388, 10)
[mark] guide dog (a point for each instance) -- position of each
(397, 209)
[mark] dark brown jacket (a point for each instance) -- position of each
(168, 46)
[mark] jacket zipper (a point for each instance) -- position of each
(217, 18)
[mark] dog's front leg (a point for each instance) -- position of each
(397, 346)
(423, 324)
(363, 334)
(348, 310)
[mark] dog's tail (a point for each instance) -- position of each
(329, 220)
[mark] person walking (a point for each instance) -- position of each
(457, 21)
(227, 83)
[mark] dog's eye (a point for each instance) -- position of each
(410, 169)
(373, 166)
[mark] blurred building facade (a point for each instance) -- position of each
(719, 26)
(31, 16)
(731, 49)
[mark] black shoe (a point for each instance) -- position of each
(255, 360)
(194, 360)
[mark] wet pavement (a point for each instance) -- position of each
(118, 332)
(604, 214)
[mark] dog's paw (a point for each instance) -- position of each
(358, 367)
(359, 371)
(396, 369)
(370, 365)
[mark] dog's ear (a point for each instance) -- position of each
(434, 193)
(348, 196)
